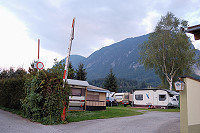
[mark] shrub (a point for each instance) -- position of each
(12, 88)
(45, 97)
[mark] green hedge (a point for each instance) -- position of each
(45, 97)
(39, 95)
(11, 91)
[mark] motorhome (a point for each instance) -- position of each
(155, 98)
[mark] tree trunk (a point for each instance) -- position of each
(170, 83)
(170, 86)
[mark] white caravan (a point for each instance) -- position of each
(119, 97)
(155, 98)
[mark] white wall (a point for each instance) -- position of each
(193, 101)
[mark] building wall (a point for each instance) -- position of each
(193, 102)
(190, 107)
(183, 110)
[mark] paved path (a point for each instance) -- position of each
(150, 122)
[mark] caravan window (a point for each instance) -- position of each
(139, 97)
(76, 91)
(118, 97)
(162, 97)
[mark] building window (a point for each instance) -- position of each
(139, 97)
(162, 97)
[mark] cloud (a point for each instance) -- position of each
(96, 21)
(150, 21)
(17, 48)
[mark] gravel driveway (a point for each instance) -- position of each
(150, 122)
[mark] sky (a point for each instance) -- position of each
(99, 23)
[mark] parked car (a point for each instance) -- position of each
(110, 100)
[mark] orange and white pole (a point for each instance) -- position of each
(67, 64)
(38, 49)
(68, 53)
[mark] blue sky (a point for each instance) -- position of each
(99, 23)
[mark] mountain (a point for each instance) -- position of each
(122, 57)
(76, 60)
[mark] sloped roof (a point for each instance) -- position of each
(169, 91)
(193, 29)
(86, 84)
(77, 82)
(96, 89)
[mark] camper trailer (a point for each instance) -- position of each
(119, 97)
(155, 98)
(86, 97)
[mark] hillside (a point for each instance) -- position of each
(122, 57)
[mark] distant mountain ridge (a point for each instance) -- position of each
(122, 57)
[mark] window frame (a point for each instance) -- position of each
(161, 98)
(139, 97)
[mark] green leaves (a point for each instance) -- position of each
(110, 82)
(81, 72)
(168, 50)
(45, 97)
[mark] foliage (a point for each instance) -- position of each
(12, 87)
(168, 50)
(123, 85)
(59, 69)
(110, 82)
(81, 72)
(45, 97)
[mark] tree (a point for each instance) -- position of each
(59, 69)
(71, 72)
(168, 50)
(110, 82)
(81, 72)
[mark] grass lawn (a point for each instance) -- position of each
(110, 112)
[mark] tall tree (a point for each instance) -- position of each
(59, 69)
(71, 72)
(168, 50)
(110, 82)
(81, 72)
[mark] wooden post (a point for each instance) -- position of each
(85, 97)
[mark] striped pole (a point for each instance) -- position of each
(68, 54)
(67, 65)
(38, 49)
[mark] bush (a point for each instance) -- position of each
(12, 88)
(45, 97)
